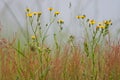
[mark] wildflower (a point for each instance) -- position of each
(39, 14)
(35, 13)
(60, 21)
(108, 22)
(101, 25)
(92, 22)
(81, 17)
(30, 14)
(50, 9)
(78, 17)
(33, 37)
(27, 10)
(56, 13)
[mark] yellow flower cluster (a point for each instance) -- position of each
(34, 13)
(30, 14)
(101, 26)
(107, 22)
(81, 17)
(104, 24)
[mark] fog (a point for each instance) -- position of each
(12, 13)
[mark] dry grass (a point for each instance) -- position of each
(68, 65)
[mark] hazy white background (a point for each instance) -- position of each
(12, 13)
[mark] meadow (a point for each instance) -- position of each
(29, 57)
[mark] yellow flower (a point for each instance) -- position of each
(81, 17)
(50, 9)
(39, 14)
(100, 25)
(27, 10)
(33, 37)
(29, 14)
(78, 17)
(35, 13)
(60, 21)
(56, 13)
(108, 22)
(92, 22)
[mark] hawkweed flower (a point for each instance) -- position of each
(33, 37)
(60, 21)
(50, 9)
(81, 17)
(78, 17)
(107, 22)
(27, 10)
(56, 13)
(39, 14)
(29, 14)
(92, 22)
(100, 26)
(35, 13)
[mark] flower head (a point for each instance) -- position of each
(35, 13)
(29, 14)
(92, 22)
(108, 22)
(33, 37)
(27, 10)
(50, 9)
(81, 17)
(60, 21)
(78, 17)
(56, 13)
(39, 14)
(101, 26)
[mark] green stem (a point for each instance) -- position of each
(45, 33)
